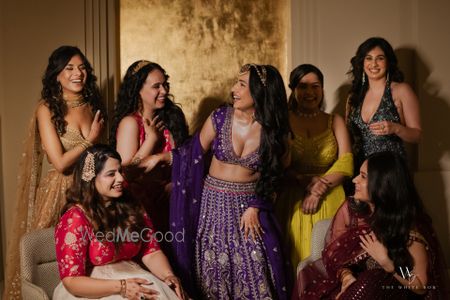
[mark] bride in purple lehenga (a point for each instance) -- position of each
(231, 247)
(381, 244)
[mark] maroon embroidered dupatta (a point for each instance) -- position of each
(320, 280)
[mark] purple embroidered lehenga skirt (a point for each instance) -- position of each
(227, 266)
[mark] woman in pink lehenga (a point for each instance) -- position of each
(381, 243)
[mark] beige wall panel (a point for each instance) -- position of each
(202, 44)
(433, 65)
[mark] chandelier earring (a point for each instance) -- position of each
(387, 77)
(363, 78)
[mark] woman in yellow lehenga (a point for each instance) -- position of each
(321, 159)
(67, 120)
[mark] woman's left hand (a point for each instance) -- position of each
(383, 128)
(376, 249)
(250, 223)
(174, 283)
(150, 162)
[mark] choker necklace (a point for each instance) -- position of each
(76, 101)
(306, 115)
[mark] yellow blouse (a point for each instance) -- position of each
(315, 155)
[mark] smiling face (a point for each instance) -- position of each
(242, 98)
(375, 64)
(154, 90)
(109, 181)
(361, 184)
(73, 77)
(309, 93)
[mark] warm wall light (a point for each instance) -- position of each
(202, 44)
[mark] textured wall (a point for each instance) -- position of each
(202, 43)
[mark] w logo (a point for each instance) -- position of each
(407, 274)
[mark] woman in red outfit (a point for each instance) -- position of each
(102, 231)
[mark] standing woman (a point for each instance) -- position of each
(231, 242)
(321, 160)
(146, 122)
(382, 111)
(68, 119)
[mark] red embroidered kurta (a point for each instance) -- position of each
(78, 249)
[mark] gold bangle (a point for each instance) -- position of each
(136, 161)
(123, 288)
(344, 273)
(170, 275)
(170, 158)
(85, 144)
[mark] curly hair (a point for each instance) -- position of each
(272, 113)
(294, 78)
(129, 101)
(124, 212)
(397, 204)
(52, 91)
(359, 90)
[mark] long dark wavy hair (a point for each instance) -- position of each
(295, 77)
(272, 113)
(129, 101)
(124, 212)
(52, 91)
(397, 204)
(359, 90)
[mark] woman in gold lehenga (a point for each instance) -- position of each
(67, 120)
(321, 159)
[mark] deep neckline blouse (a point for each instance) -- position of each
(365, 142)
(222, 119)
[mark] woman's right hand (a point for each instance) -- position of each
(152, 128)
(96, 128)
(150, 162)
(135, 289)
(310, 204)
(318, 186)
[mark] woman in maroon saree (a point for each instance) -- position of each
(381, 243)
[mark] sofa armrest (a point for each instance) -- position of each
(31, 291)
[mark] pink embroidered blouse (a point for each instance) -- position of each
(78, 249)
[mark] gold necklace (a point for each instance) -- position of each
(73, 102)
(306, 115)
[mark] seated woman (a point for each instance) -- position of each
(101, 231)
(381, 243)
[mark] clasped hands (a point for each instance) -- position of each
(135, 288)
(315, 191)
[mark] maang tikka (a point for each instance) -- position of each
(88, 168)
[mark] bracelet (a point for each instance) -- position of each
(123, 288)
(85, 144)
(170, 275)
(344, 273)
(136, 161)
(170, 158)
